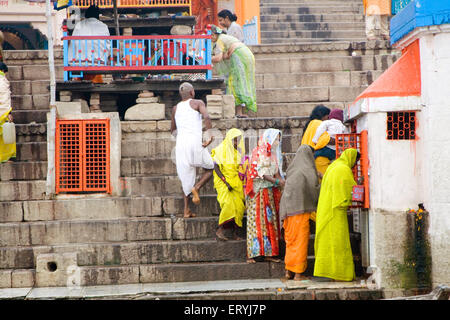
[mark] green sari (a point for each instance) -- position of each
(240, 69)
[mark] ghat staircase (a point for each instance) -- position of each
(141, 236)
(312, 52)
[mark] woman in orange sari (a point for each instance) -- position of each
(298, 201)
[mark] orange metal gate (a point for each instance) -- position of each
(82, 156)
(357, 141)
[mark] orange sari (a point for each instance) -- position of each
(296, 235)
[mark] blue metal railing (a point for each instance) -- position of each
(250, 29)
(398, 5)
(136, 54)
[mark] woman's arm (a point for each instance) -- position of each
(217, 58)
(221, 176)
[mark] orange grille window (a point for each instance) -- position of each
(357, 141)
(401, 125)
(82, 156)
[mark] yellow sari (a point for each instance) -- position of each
(229, 161)
(7, 151)
(332, 247)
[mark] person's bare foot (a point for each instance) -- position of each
(220, 235)
(195, 196)
(251, 261)
(289, 275)
(189, 214)
(271, 259)
(300, 277)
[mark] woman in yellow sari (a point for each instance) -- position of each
(228, 182)
(333, 252)
(7, 151)
(319, 114)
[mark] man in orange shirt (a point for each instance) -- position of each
(205, 12)
(377, 18)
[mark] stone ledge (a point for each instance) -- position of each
(31, 54)
(320, 46)
(250, 123)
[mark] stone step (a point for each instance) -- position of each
(309, 9)
(312, 94)
(308, 17)
(129, 253)
(33, 170)
(165, 148)
(31, 132)
(29, 87)
(293, 108)
(320, 34)
(22, 190)
(320, 49)
(324, 64)
(142, 167)
(331, 25)
(99, 231)
(42, 71)
(101, 206)
(306, 40)
(316, 79)
(28, 116)
(31, 151)
(31, 101)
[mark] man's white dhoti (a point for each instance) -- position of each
(189, 151)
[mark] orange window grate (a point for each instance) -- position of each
(82, 156)
(68, 156)
(401, 125)
(96, 155)
(357, 141)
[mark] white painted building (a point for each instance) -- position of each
(407, 170)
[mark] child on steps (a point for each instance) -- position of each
(333, 126)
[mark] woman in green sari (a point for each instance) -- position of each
(235, 61)
(333, 253)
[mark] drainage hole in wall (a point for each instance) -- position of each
(51, 266)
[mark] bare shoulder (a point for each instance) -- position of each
(196, 104)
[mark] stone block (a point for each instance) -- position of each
(163, 125)
(147, 100)
(41, 101)
(24, 102)
(53, 269)
(91, 276)
(67, 108)
(22, 278)
(14, 234)
(10, 211)
(229, 108)
(213, 98)
(5, 277)
(15, 73)
(40, 87)
(181, 30)
(65, 93)
(146, 94)
(36, 72)
(215, 112)
(65, 98)
(95, 96)
(154, 229)
(84, 105)
(94, 101)
(20, 87)
(147, 111)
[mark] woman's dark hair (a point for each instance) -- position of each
(3, 67)
(317, 114)
(92, 12)
(227, 14)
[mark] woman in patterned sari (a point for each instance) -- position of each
(234, 60)
(264, 180)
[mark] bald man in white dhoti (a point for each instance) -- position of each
(191, 152)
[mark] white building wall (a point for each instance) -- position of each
(435, 67)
